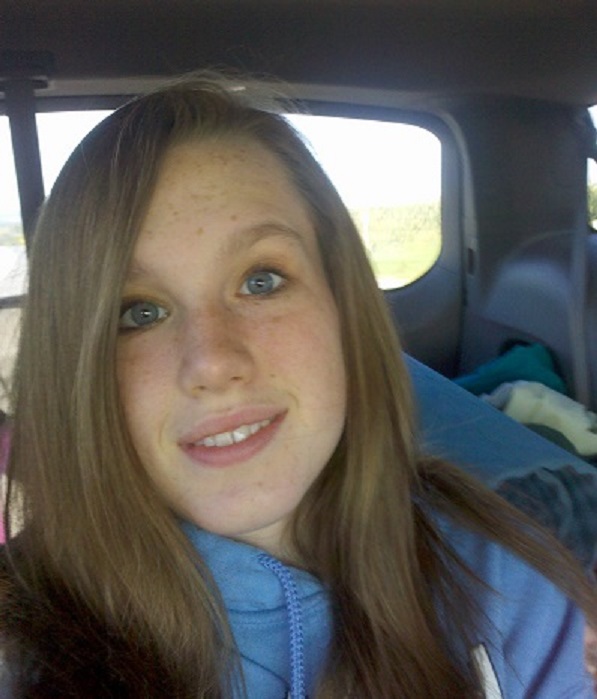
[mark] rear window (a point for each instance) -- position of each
(592, 180)
(58, 134)
(12, 243)
(389, 176)
(13, 262)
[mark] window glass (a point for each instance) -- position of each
(389, 176)
(58, 134)
(12, 259)
(592, 180)
(12, 243)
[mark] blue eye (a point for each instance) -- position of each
(141, 314)
(261, 283)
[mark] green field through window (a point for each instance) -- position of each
(389, 175)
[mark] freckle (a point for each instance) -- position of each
(234, 217)
(200, 231)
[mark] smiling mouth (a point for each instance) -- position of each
(239, 434)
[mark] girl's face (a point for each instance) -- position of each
(230, 362)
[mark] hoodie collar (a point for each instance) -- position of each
(241, 575)
(254, 584)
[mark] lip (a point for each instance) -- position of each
(234, 453)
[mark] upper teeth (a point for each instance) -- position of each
(225, 439)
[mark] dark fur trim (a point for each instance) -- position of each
(55, 647)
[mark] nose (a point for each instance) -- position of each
(215, 354)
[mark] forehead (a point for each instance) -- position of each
(212, 164)
(215, 198)
(204, 177)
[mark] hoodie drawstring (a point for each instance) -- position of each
(293, 608)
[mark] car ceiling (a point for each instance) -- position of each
(544, 49)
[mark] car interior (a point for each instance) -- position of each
(501, 308)
(505, 306)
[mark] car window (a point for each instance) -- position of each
(592, 180)
(58, 134)
(12, 259)
(389, 176)
(12, 243)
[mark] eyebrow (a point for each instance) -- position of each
(248, 237)
(244, 239)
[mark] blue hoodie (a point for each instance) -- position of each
(280, 616)
(530, 646)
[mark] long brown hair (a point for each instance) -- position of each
(95, 526)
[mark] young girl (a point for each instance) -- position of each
(213, 445)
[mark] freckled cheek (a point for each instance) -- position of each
(323, 359)
(307, 351)
(141, 381)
